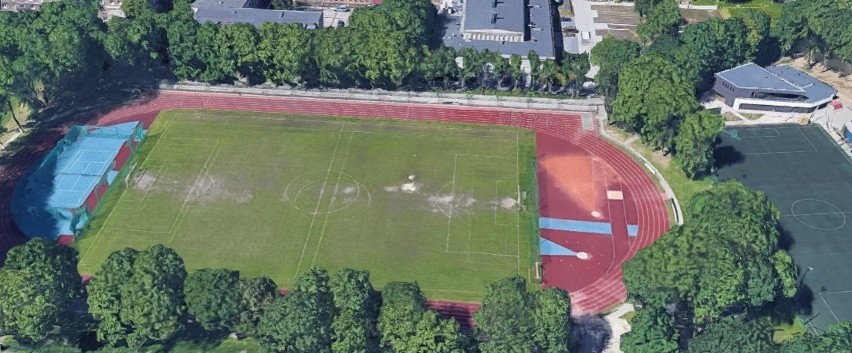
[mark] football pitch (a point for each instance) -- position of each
(450, 206)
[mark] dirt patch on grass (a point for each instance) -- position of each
(209, 188)
(144, 182)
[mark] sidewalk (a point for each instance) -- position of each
(618, 326)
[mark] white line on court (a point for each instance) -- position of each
(331, 202)
(319, 200)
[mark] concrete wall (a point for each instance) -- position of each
(577, 105)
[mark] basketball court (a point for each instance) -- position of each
(809, 179)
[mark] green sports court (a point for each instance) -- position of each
(809, 178)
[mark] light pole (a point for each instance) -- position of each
(799, 286)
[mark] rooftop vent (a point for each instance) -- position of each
(494, 3)
(493, 18)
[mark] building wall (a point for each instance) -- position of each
(109, 8)
(734, 97)
(324, 3)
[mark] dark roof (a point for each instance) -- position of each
(782, 79)
(508, 15)
(229, 4)
(541, 40)
(752, 75)
(256, 17)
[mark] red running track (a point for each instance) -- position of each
(603, 290)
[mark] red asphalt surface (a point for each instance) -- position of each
(594, 284)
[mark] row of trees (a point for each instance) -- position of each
(385, 46)
(651, 87)
(708, 285)
(823, 26)
(139, 298)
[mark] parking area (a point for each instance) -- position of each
(330, 17)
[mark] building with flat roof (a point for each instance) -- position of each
(253, 12)
(109, 8)
(505, 26)
(58, 196)
(773, 88)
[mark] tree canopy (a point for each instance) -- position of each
(836, 339)
(213, 298)
(256, 296)
(663, 19)
(611, 55)
(653, 97)
(821, 25)
(694, 141)
(734, 335)
(651, 331)
(725, 258)
(37, 285)
(137, 297)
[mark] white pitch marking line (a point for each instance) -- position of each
(184, 207)
(331, 203)
(452, 193)
(319, 200)
(829, 307)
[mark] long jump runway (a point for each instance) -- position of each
(598, 207)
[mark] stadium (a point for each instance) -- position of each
(451, 197)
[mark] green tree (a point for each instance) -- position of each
(666, 45)
(354, 328)
(694, 141)
(653, 97)
(643, 7)
(257, 294)
(836, 339)
(548, 73)
(137, 42)
(436, 334)
(505, 322)
(51, 263)
(715, 45)
(574, 67)
(138, 297)
(535, 65)
(611, 55)
(734, 335)
(402, 307)
(213, 298)
(184, 50)
(300, 322)
(552, 320)
(516, 70)
(237, 49)
(38, 284)
(285, 53)
(439, 65)
(55, 45)
(758, 24)
(651, 331)
(407, 327)
(724, 259)
(297, 323)
(664, 18)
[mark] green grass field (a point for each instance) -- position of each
(275, 195)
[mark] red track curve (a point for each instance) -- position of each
(607, 291)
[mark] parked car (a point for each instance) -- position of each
(342, 8)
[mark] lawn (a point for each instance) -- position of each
(771, 8)
(274, 195)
